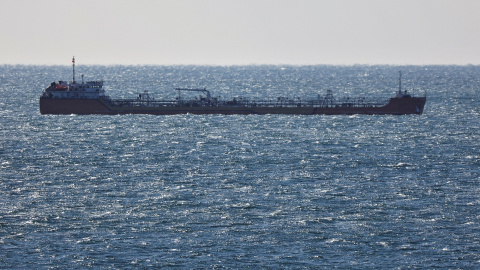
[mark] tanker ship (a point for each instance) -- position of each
(90, 98)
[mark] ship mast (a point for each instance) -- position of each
(73, 64)
(400, 83)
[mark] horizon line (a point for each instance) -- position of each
(230, 65)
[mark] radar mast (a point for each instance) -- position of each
(73, 64)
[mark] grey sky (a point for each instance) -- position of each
(228, 32)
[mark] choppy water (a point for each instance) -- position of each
(235, 192)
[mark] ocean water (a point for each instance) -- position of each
(242, 192)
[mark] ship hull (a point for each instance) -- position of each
(396, 106)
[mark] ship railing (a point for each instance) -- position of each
(242, 103)
(141, 103)
(304, 103)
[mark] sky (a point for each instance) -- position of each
(240, 32)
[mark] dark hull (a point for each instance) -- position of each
(397, 106)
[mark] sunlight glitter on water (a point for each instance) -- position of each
(139, 191)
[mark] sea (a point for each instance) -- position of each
(242, 191)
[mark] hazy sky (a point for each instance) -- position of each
(237, 32)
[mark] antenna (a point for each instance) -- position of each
(400, 83)
(73, 64)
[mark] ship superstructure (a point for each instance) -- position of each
(75, 90)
